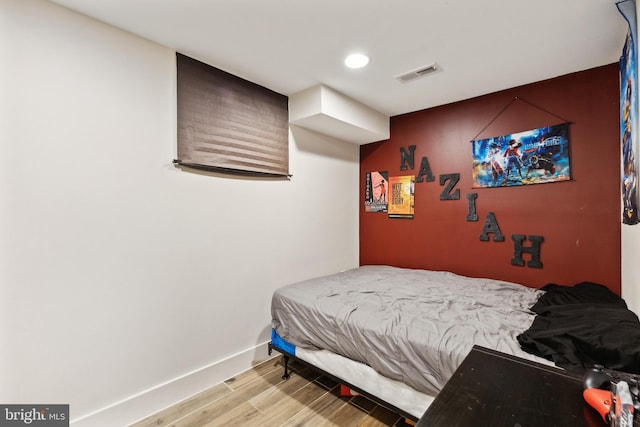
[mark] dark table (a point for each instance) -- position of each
(495, 389)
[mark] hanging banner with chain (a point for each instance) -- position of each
(535, 156)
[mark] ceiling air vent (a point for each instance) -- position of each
(417, 73)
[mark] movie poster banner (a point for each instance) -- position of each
(375, 191)
(401, 200)
(629, 117)
(535, 156)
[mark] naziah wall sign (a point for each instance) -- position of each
(491, 229)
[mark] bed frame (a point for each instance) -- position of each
(287, 357)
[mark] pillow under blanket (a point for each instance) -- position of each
(583, 325)
(585, 292)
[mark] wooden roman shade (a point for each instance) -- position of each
(228, 124)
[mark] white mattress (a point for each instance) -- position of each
(364, 377)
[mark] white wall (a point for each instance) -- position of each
(631, 267)
(630, 241)
(126, 283)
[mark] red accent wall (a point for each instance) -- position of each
(579, 219)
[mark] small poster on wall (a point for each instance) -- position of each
(531, 157)
(401, 200)
(375, 191)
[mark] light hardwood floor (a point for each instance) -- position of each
(259, 397)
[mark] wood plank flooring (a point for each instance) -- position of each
(259, 397)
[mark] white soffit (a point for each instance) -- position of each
(327, 111)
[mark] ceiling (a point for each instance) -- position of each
(480, 46)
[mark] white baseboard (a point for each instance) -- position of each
(141, 405)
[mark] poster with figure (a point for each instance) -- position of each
(535, 156)
(401, 196)
(629, 117)
(375, 191)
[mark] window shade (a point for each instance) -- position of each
(229, 124)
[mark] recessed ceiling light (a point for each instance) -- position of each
(356, 60)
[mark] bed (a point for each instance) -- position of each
(397, 335)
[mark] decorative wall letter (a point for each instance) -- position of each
(453, 179)
(534, 250)
(425, 169)
(407, 158)
(491, 226)
(472, 216)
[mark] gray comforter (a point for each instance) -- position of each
(414, 326)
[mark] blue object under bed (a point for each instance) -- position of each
(279, 342)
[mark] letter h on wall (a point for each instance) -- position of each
(533, 250)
